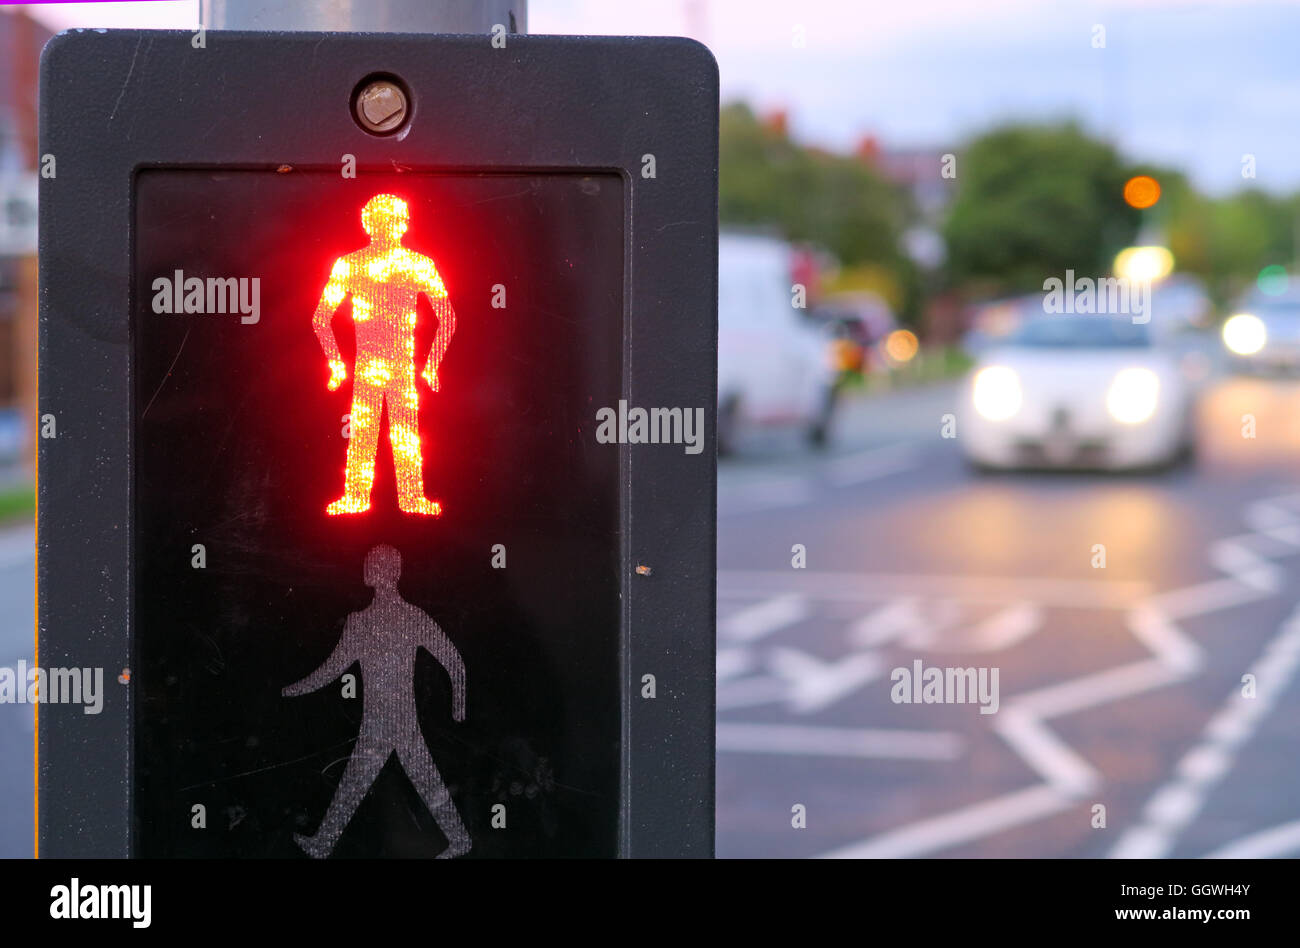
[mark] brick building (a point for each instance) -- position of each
(21, 40)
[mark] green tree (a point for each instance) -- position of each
(1227, 240)
(837, 202)
(1246, 232)
(1032, 202)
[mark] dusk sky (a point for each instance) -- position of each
(1195, 85)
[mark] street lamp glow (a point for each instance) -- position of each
(1144, 264)
(1244, 334)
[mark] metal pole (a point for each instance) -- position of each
(367, 16)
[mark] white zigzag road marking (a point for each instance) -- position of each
(1281, 840)
(883, 587)
(1176, 804)
(959, 826)
(804, 682)
(1175, 658)
(764, 618)
(1065, 771)
(838, 741)
(812, 684)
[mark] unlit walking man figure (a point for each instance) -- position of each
(384, 637)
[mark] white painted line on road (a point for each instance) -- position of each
(874, 587)
(1204, 597)
(871, 465)
(732, 662)
(1272, 843)
(1051, 757)
(1176, 804)
(1229, 726)
(749, 691)
(814, 684)
(886, 623)
(1234, 556)
(1272, 523)
(1271, 518)
(1208, 762)
(803, 682)
(1285, 501)
(910, 620)
(17, 547)
(1144, 841)
(764, 618)
(960, 826)
(1005, 628)
(1284, 536)
(1157, 632)
(1022, 720)
(1097, 688)
(933, 624)
(838, 742)
(1265, 515)
(776, 491)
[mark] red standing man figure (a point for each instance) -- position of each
(384, 280)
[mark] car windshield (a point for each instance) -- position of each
(1082, 332)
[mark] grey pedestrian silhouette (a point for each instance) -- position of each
(385, 637)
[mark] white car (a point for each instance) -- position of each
(774, 363)
(1077, 391)
(1264, 335)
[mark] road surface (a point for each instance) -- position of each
(16, 565)
(1119, 686)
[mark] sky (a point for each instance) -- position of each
(1191, 84)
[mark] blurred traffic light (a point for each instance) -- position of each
(1273, 280)
(1141, 191)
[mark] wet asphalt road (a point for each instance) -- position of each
(1118, 687)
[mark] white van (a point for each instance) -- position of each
(774, 364)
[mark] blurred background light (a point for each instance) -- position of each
(1273, 280)
(901, 345)
(1244, 334)
(1144, 264)
(1142, 191)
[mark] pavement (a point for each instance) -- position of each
(16, 721)
(1121, 727)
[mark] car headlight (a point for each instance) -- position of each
(996, 392)
(1131, 398)
(1244, 334)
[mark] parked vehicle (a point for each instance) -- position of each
(1264, 333)
(859, 323)
(774, 364)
